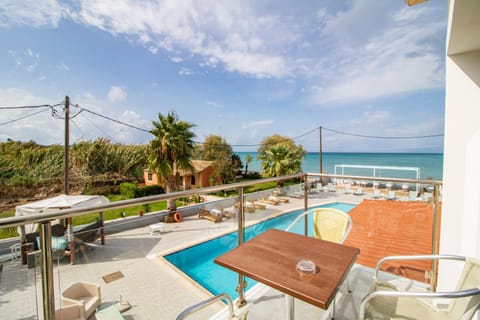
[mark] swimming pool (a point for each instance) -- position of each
(197, 261)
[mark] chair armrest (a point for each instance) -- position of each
(294, 222)
(415, 257)
(409, 294)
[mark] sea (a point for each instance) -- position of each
(430, 164)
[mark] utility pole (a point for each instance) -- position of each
(66, 167)
(321, 155)
(67, 143)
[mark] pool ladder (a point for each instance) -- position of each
(203, 304)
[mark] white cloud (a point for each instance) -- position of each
(215, 31)
(214, 104)
(27, 59)
(176, 59)
(63, 67)
(116, 94)
(185, 72)
(388, 53)
(344, 52)
(39, 13)
(259, 123)
(41, 127)
(88, 126)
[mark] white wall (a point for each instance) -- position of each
(460, 223)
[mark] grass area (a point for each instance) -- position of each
(135, 210)
(11, 231)
(93, 217)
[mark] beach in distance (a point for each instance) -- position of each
(430, 164)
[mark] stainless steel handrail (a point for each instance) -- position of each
(68, 213)
(203, 304)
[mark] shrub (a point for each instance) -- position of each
(148, 191)
(128, 189)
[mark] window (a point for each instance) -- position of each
(192, 181)
(150, 177)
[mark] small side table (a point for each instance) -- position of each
(157, 227)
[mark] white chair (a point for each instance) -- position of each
(386, 301)
(391, 195)
(69, 312)
(359, 192)
(348, 189)
(86, 295)
(376, 194)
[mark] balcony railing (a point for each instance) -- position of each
(304, 189)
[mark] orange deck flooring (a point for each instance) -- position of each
(382, 228)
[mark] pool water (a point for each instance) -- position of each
(197, 261)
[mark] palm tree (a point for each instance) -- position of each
(248, 159)
(279, 160)
(171, 150)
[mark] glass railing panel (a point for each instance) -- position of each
(20, 281)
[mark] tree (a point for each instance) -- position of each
(248, 159)
(280, 156)
(171, 150)
(237, 165)
(277, 139)
(216, 149)
(279, 160)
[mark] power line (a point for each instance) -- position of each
(31, 107)
(24, 117)
(93, 124)
(111, 119)
(382, 137)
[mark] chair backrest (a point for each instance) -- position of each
(331, 224)
(465, 308)
(412, 195)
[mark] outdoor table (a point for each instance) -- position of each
(271, 258)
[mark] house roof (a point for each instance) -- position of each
(198, 166)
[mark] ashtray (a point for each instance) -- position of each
(306, 267)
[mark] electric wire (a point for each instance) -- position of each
(382, 137)
(112, 119)
(24, 117)
(96, 127)
(82, 109)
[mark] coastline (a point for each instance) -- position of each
(430, 164)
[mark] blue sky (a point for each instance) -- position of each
(243, 70)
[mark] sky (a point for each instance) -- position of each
(243, 70)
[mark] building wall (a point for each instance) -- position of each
(150, 178)
(461, 172)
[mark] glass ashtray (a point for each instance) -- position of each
(306, 267)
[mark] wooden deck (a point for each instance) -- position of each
(382, 228)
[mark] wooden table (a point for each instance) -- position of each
(271, 258)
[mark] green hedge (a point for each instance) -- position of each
(145, 191)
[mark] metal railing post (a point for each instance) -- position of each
(241, 239)
(435, 232)
(47, 271)
(305, 202)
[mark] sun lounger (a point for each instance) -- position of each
(359, 192)
(205, 214)
(257, 205)
(279, 199)
(269, 201)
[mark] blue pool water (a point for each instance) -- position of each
(197, 261)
